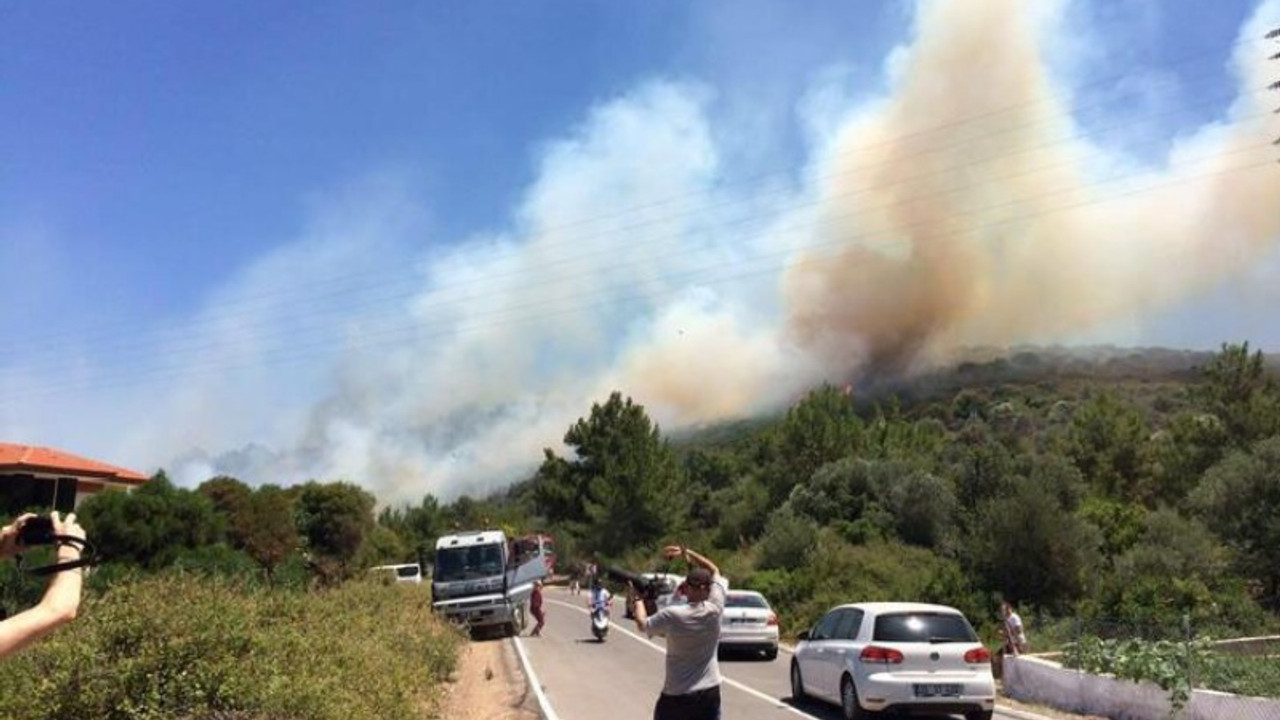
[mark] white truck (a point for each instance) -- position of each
(482, 579)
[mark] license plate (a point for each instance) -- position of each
(937, 690)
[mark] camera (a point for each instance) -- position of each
(647, 590)
(36, 531)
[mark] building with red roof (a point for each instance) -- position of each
(41, 477)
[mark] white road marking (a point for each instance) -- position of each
(548, 712)
(745, 688)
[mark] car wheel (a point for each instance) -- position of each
(797, 683)
(771, 653)
(978, 715)
(849, 701)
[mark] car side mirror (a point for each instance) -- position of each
(804, 635)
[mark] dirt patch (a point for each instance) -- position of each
(489, 684)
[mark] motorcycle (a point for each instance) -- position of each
(600, 623)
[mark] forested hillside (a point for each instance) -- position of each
(1130, 487)
(1138, 488)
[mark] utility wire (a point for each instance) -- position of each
(508, 316)
(320, 322)
(346, 278)
(406, 287)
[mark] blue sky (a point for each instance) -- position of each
(295, 240)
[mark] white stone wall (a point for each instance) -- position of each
(1033, 679)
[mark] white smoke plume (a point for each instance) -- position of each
(967, 208)
(963, 207)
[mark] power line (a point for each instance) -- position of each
(508, 316)
(403, 287)
(356, 279)
(318, 322)
(1272, 35)
(747, 223)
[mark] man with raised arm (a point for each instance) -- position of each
(691, 688)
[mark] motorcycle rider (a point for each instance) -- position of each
(599, 603)
(599, 596)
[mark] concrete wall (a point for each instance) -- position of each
(1041, 681)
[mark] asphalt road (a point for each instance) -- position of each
(621, 677)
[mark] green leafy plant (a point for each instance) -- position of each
(1170, 665)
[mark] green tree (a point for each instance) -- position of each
(820, 429)
(419, 525)
(787, 539)
(333, 519)
(383, 546)
(1106, 442)
(923, 507)
(1119, 524)
(226, 493)
(1239, 498)
(842, 490)
(1181, 453)
(264, 528)
(1239, 390)
(626, 475)
(1026, 547)
(707, 472)
(152, 525)
(981, 466)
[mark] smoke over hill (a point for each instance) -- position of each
(964, 206)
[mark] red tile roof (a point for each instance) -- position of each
(29, 458)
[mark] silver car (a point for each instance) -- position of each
(748, 623)
(869, 657)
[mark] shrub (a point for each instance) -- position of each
(178, 645)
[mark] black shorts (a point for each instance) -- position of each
(697, 705)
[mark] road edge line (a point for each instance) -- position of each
(544, 703)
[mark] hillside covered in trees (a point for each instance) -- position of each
(1131, 487)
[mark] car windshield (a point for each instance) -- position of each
(735, 600)
(407, 571)
(468, 563)
(923, 627)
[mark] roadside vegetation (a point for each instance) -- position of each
(178, 645)
(1114, 495)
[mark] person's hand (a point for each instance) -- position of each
(672, 552)
(69, 527)
(9, 535)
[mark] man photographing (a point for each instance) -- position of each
(691, 688)
(61, 598)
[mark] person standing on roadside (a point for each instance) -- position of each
(1015, 635)
(61, 599)
(535, 607)
(691, 687)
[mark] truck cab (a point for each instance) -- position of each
(482, 580)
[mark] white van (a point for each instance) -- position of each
(406, 573)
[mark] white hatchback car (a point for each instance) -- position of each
(869, 657)
(748, 623)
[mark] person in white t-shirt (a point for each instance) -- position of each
(1015, 635)
(691, 688)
